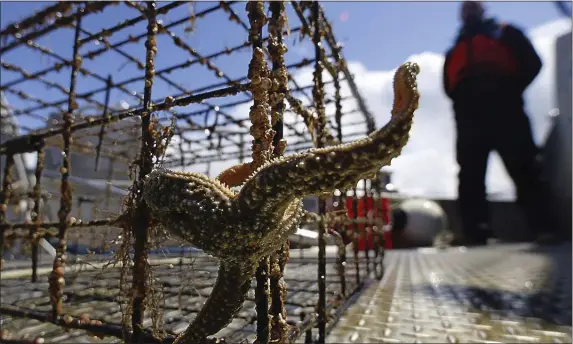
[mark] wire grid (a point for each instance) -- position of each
(207, 131)
(100, 115)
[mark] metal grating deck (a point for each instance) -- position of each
(504, 293)
(186, 288)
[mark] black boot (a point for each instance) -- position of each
(547, 239)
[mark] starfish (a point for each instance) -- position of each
(241, 227)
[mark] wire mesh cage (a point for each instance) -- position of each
(84, 124)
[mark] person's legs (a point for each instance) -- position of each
(514, 143)
(472, 151)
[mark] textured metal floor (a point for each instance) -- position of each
(505, 293)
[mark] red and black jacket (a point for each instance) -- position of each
(489, 58)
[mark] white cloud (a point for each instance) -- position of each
(427, 165)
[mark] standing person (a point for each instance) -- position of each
(485, 75)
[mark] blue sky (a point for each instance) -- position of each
(379, 35)
(382, 34)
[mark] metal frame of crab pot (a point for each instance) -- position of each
(69, 130)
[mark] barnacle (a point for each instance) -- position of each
(261, 85)
(278, 326)
(241, 227)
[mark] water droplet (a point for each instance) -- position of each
(554, 112)
(354, 337)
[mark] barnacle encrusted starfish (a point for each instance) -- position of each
(241, 227)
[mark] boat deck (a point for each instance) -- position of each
(501, 293)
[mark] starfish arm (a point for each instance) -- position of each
(321, 170)
(223, 304)
(236, 175)
(275, 228)
(189, 205)
(239, 229)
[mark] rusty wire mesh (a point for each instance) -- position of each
(121, 100)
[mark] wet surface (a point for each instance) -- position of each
(504, 293)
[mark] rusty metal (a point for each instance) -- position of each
(94, 326)
(104, 115)
(340, 261)
(96, 120)
(336, 50)
(28, 145)
(318, 97)
(262, 301)
(91, 293)
(4, 201)
(365, 230)
(104, 33)
(339, 232)
(92, 7)
(159, 73)
(38, 17)
(308, 332)
(67, 63)
(36, 215)
(261, 148)
(338, 102)
(91, 55)
(203, 60)
(56, 279)
(24, 96)
(48, 83)
(127, 23)
(355, 233)
(378, 230)
(276, 48)
(141, 221)
(47, 225)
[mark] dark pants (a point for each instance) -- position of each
(505, 129)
